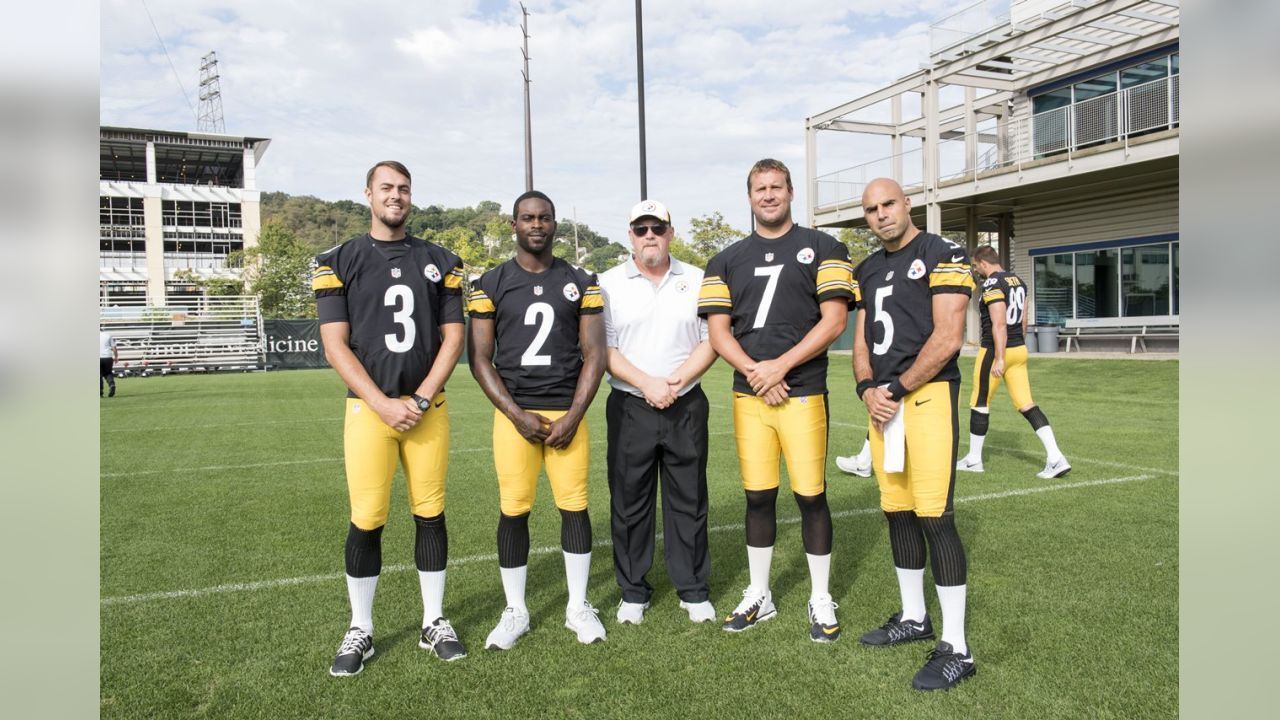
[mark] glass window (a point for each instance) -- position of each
(1173, 63)
(1144, 72)
(1053, 283)
(1175, 278)
(1051, 100)
(1145, 280)
(1097, 284)
(1092, 88)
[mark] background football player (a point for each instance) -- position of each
(908, 330)
(537, 348)
(774, 301)
(1003, 356)
(390, 309)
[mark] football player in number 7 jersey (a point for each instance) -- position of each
(537, 348)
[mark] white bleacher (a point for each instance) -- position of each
(204, 335)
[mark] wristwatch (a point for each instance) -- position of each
(422, 403)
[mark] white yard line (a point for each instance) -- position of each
(548, 550)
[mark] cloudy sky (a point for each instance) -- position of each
(338, 86)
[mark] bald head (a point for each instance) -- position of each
(888, 212)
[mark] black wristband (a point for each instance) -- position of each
(896, 390)
(864, 386)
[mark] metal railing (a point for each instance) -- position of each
(197, 261)
(202, 334)
(1061, 132)
(116, 259)
(973, 20)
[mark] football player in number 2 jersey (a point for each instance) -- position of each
(546, 319)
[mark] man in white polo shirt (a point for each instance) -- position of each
(657, 417)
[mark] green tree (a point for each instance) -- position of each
(278, 271)
(860, 241)
(710, 234)
(685, 253)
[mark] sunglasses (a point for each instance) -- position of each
(657, 228)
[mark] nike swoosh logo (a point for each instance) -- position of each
(831, 630)
(439, 403)
(921, 402)
(751, 617)
(957, 258)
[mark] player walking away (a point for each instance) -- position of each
(909, 327)
(657, 414)
(537, 348)
(1003, 356)
(108, 356)
(390, 309)
(774, 301)
(859, 464)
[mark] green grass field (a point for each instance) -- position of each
(223, 516)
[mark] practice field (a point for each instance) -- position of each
(223, 509)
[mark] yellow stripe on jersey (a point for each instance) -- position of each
(993, 295)
(324, 279)
(952, 275)
(453, 280)
(714, 293)
(479, 302)
(834, 275)
(857, 292)
(592, 298)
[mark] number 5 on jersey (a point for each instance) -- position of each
(884, 318)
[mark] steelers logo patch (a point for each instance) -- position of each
(916, 271)
(571, 292)
(432, 273)
(682, 286)
(805, 255)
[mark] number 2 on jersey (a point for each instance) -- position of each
(400, 295)
(539, 314)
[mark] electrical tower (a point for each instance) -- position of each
(209, 118)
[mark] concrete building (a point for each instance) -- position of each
(173, 205)
(1048, 128)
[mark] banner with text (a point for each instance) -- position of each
(294, 344)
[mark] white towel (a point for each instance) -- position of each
(895, 442)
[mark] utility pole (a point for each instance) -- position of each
(576, 253)
(644, 179)
(528, 126)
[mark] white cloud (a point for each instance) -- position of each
(338, 86)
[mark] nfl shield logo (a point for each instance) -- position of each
(889, 276)
(537, 289)
(395, 272)
(768, 257)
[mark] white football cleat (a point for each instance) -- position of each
(850, 465)
(584, 620)
(630, 613)
(1055, 469)
(699, 612)
(513, 624)
(968, 464)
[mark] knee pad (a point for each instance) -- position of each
(575, 531)
(815, 523)
(364, 551)
(945, 549)
(1035, 417)
(906, 539)
(431, 544)
(762, 517)
(513, 540)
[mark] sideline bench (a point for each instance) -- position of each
(1119, 329)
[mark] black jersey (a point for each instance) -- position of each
(395, 295)
(772, 289)
(896, 290)
(1009, 289)
(536, 317)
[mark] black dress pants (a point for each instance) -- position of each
(646, 444)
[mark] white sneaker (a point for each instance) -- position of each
(851, 465)
(513, 624)
(968, 464)
(756, 607)
(1055, 469)
(822, 618)
(630, 613)
(699, 612)
(585, 621)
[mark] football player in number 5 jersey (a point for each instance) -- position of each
(390, 309)
(546, 319)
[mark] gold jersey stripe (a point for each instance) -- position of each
(993, 295)
(951, 278)
(327, 281)
(591, 301)
(838, 273)
(452, 281)
(480, 304)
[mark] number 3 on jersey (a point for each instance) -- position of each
(884, 318)
(402, 296)
(539, 314)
